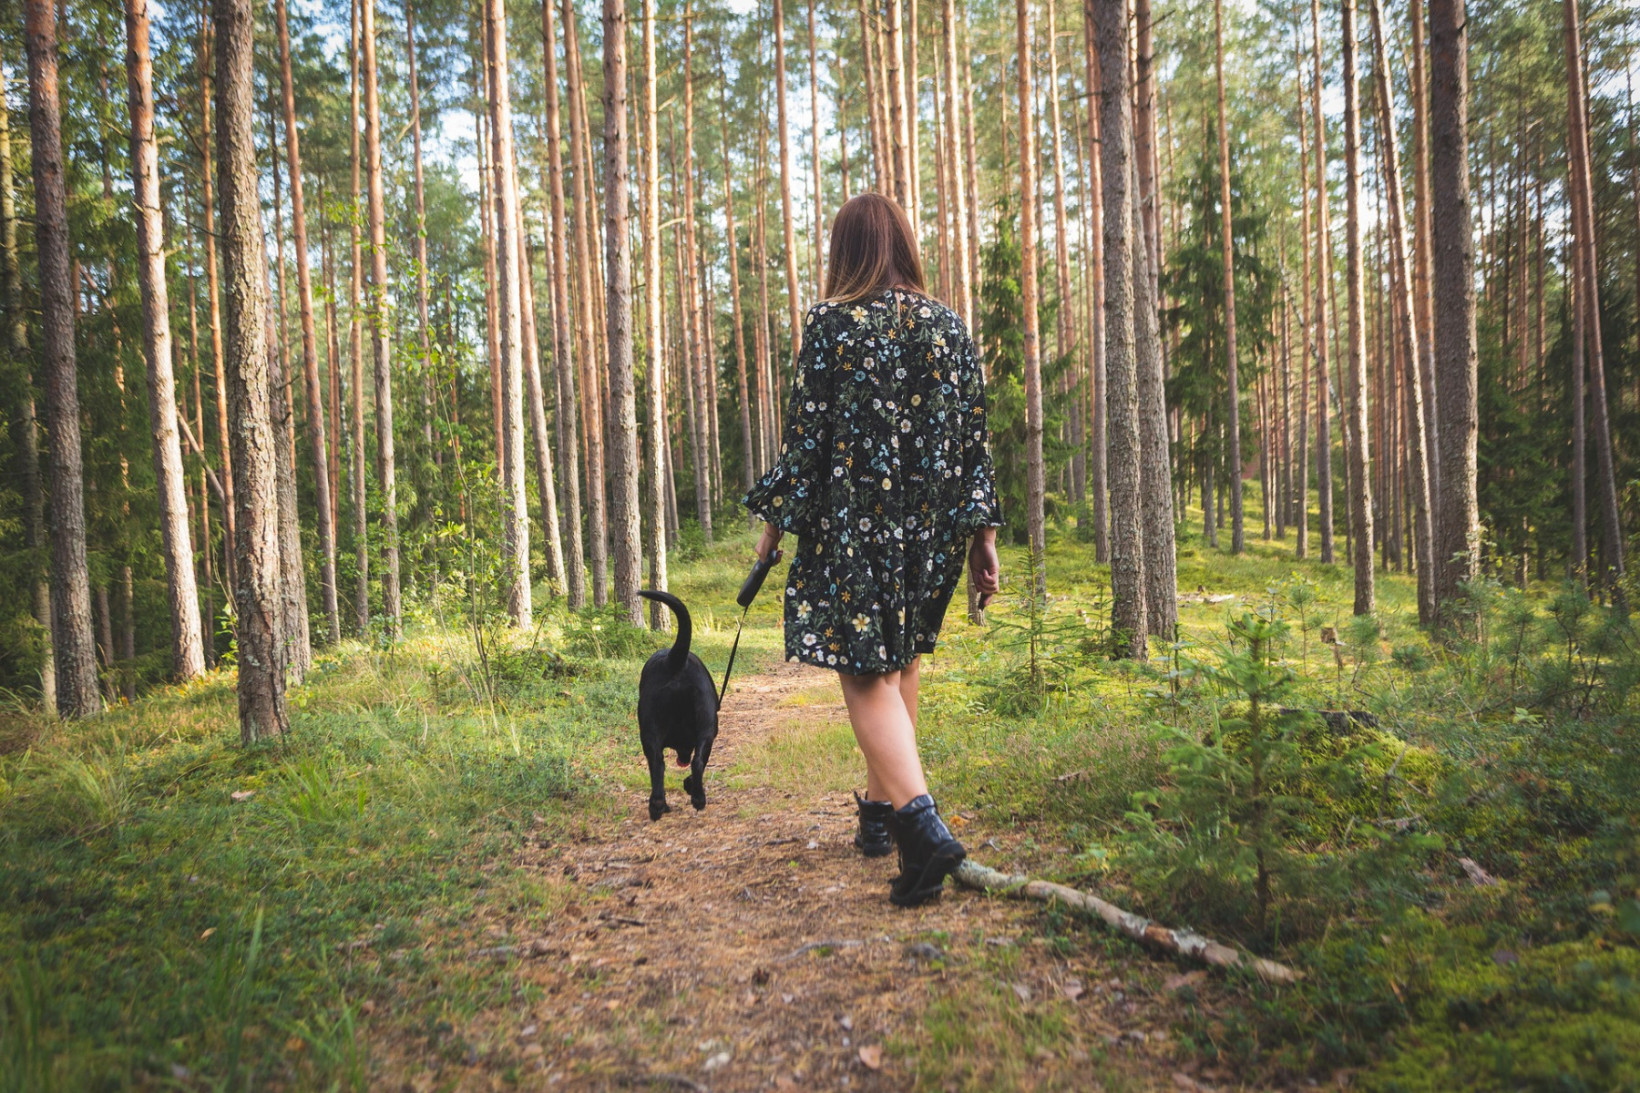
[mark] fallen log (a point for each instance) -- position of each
(1178, 942)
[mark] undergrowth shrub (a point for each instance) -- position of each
(1269, 823)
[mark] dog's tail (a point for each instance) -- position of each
(679, 656)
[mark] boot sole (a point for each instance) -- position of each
(932, 880)
(882, 851)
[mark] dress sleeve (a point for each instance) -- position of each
(792, 495)
(976, 505)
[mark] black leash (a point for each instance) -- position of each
(748, 593)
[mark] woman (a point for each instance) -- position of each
(885, 477)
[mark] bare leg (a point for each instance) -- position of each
(886, 735)
(910, 677)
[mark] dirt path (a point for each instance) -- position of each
(751, 947)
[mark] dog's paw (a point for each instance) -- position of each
(696, 791)
(657, 809)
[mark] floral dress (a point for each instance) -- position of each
(884, 476)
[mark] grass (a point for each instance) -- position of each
(177, 910)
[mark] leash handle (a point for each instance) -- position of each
(754, 580)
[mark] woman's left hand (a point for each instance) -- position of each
(768, 542)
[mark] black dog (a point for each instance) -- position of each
(678, 709)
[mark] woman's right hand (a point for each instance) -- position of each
(984, 568)
(768, 542)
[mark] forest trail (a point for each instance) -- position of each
(751, 947)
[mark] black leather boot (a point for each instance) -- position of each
(928, 853)
(874, 838)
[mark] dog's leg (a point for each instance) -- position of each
(657, 782)
(695, 784)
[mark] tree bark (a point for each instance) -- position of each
(794, 306)
(361, 527)
(694, 337)
(1035, 485)
(963, 274)
(27, 427)
(1457, 544)
(515, 542)
(563, 327)
(1406, 326)
(1301, 511)
(310, 350)
(592, 406)
(1323, 285)
(1588, 277)
(898, 151)
(545, 469)
(1155, 456)
(818, 250)
(623, 471)
(386, 462)
(1232, 467)
(293, 621)
(1422, 233)
(73, 646)
(1098, 475)
(421, 232)
(1360, 454)
(187, 649)
(1127, 552)
(213, 289)
(655, 421)
(262, 709)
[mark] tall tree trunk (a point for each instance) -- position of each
(818, 250)
(213, 288)
(1127, 552)
(1355, 292)
(623, 441)
(1232, 463)
(545, 469)
(1301, 510)
(655, 420)
(187, 649)
(1065, 332)
(1098, 476)
(1401, 281)
(386, 471)
(73, 645)
(262, 709)
(293, 623)
(310, 350)
(1588, 278)
(515, 542)
(898, 150)
(694, 335)
(1323, 287)
(1035, 486)
(1457, 544)
(1155, 456)
(563, 326)
(361, 532)
(421, 231)
(27, 428)
(751, 464)
(963, 272)
(586, 264)
(794, 306)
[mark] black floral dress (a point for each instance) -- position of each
(884, 476)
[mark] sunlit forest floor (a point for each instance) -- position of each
(445, 878)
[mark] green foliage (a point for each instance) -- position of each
(1194, 280)
(1263, 821)
(1002, 333)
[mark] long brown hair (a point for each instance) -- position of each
(872, 249)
